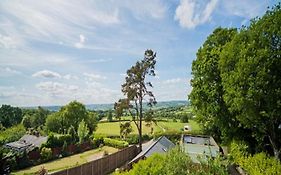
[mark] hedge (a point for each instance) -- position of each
(256, 164)
(115, 143)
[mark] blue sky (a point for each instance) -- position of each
(55, 51)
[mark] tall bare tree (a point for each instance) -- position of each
(137, 90)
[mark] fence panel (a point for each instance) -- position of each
(103, 165)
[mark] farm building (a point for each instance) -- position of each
(26, 143)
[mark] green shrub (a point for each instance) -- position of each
(176, 162)
(97, 141)
(256, 164)
(134, 139)
(54, 141)
(12, 134)
(115, 143)
(174, 136)
(46, 154)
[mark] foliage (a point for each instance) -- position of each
(207, 92)
(98, 141)
(92, 121)
(46, 154)
(54, 141)
(136, 90)
(174, 136)
(71, 131)
(251, 74)
(236, 83)
(12, 134)
(70, 116)
(184, 118)
(115, 143)
(176, 162)
(109, 116)
(55, 123)
(83, 131)
(125, 129)
(26, 121)
(134, 139)
(256, 164)
(10, 116)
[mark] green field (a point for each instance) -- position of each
(68, 162)
(112, 128)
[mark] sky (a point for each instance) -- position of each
(56, 51)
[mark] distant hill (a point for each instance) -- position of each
(163, 104)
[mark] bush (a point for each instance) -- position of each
(46, 154)
(115, 143)
(176, 162)
(174, 136)
(134, 139)
(254, 164)
(54, 141)
(12, 134)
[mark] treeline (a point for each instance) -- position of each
(237, 84)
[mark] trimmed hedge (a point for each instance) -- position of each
(115, 143)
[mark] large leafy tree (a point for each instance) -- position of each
(136, 90)
(251, 76)
(10, 116)
(207, 93)
(74, 113)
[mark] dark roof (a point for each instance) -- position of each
(27, 142)
(161, 145)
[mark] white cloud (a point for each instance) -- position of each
(173, 81)
(54, 21)
(69, 77)
(244, 8)
(191, 13)
(81, 42)
(46, 74)
(8, 42)
(92, 77)
(56, 88)
(7, 71)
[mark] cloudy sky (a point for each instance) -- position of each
(55, 51)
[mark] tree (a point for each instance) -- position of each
(74, 113)
(10, 116)
(83, 131)
(39, 118)
(136, 90)
(207, 93)
(71, 131)
(109, 116)
(125, 129)
(251, 76)
(55, 123)
(26, 121)
(92, 121)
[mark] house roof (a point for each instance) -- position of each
(200, 146)
(27, 142)
(161, 145)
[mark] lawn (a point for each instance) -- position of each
(178, 126)
(112, 128)
(68, 162)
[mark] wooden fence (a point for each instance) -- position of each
(103, 165)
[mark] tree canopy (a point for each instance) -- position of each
(236, 82)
